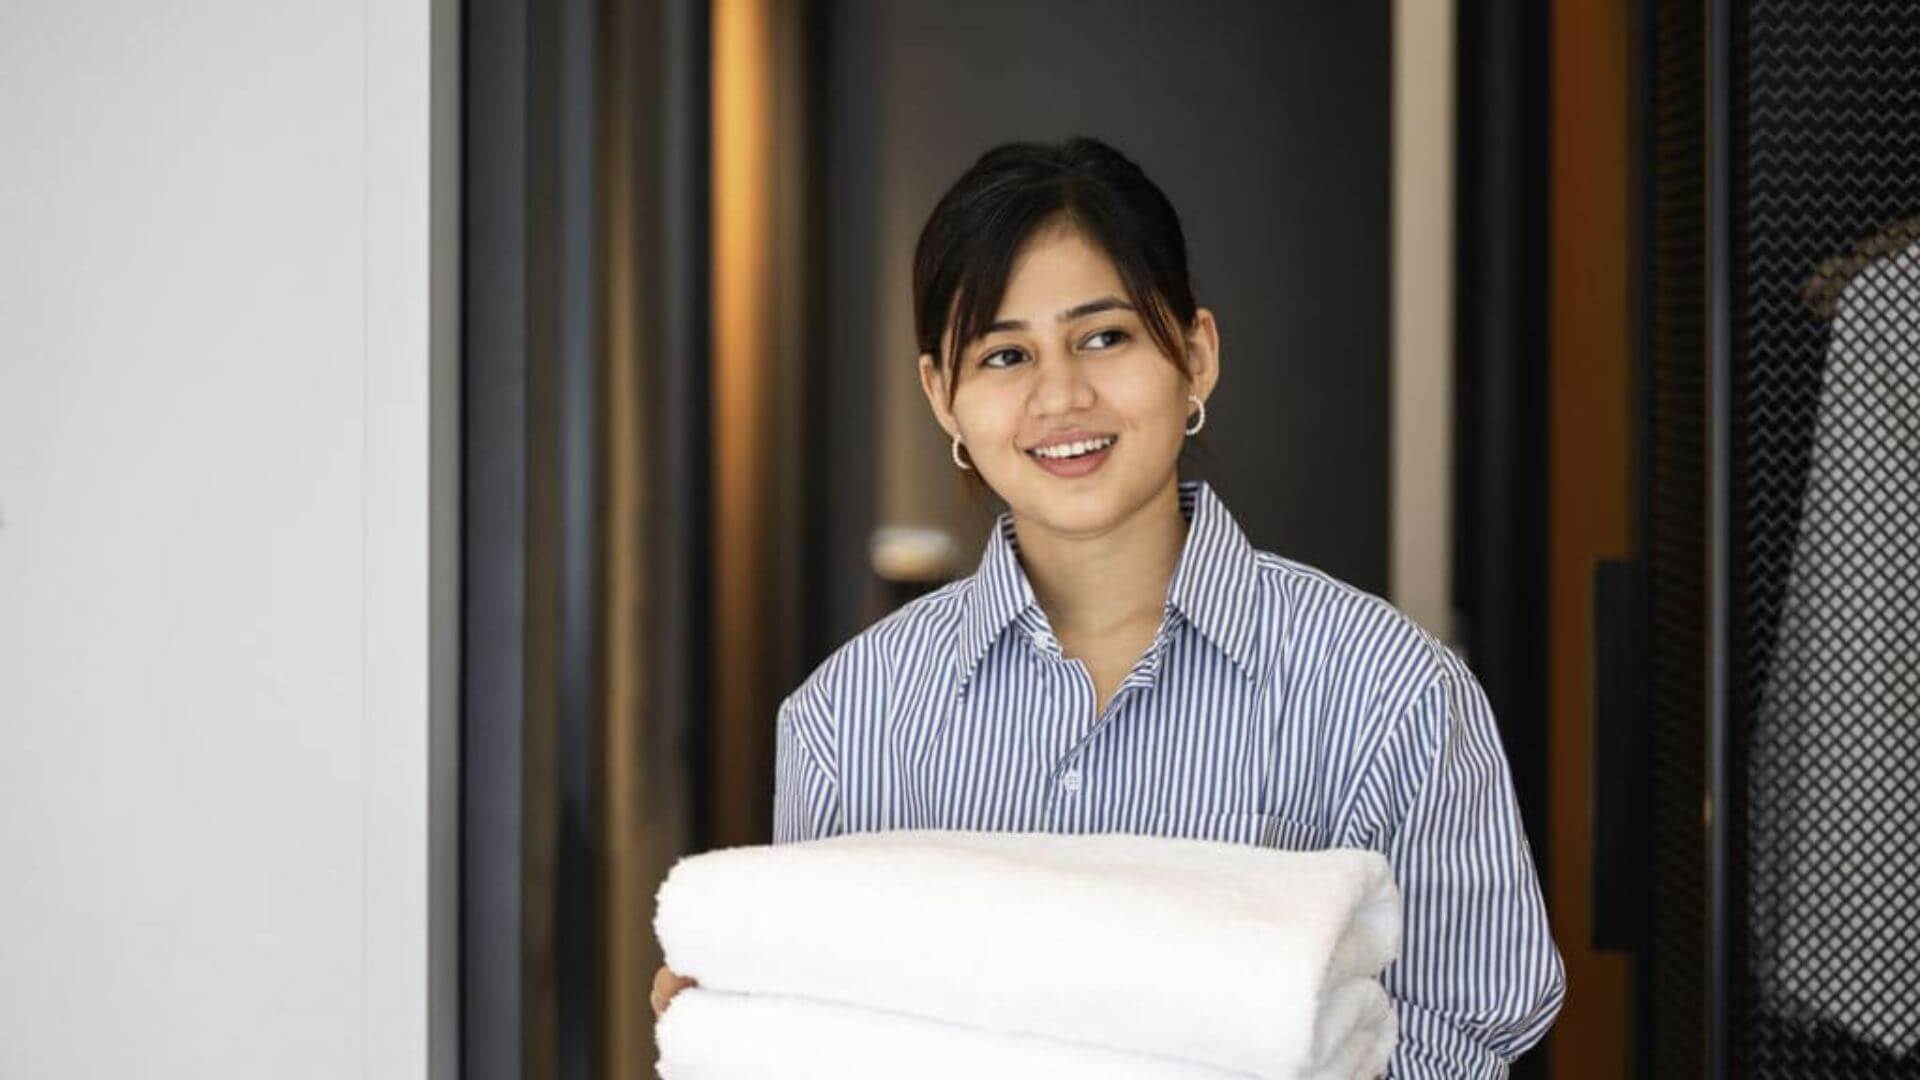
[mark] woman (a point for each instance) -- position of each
(1122, 659)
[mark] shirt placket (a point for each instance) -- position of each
(1067, 779)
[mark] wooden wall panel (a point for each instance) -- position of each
(1589, 486)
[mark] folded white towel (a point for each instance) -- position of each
(1240, 958)
(716, 1035)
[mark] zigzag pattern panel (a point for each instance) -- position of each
(1825, 541)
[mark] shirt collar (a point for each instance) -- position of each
(1213, 588)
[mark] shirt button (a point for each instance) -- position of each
(1071, 781)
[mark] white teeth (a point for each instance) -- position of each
(1074, 449)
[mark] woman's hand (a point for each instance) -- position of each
(665, 985)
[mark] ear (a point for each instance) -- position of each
(933, 383)
(1203, 353)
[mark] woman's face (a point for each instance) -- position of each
(1068, 359)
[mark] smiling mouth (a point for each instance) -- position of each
(1072, 450)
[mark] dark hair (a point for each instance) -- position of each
(967, 247)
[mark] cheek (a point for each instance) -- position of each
(1147, 398)
(983, 417)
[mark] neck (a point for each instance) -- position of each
(1090, 585)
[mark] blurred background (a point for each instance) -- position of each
(738, 188)
(435, 436)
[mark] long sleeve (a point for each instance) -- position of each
(1479, 979)
(806, 797)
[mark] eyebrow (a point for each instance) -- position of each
(1078, 311)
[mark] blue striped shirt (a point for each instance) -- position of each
(1277, 705)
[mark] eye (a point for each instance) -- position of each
(1118, 336)
(987, 360)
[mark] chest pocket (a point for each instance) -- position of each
(1240, 827)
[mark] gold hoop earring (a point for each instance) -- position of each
(956, 454)
(1195, 429)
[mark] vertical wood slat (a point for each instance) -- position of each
(642, 809)
(1589, 485)
(654, 415)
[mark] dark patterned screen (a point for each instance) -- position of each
(1671, 1006)
(1823, 769)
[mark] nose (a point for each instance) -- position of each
(1060, 385)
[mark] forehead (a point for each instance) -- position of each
(1056, 268)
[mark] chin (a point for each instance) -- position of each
(1074, 506)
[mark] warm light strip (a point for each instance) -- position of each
(743, 192)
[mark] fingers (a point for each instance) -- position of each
(666, 984)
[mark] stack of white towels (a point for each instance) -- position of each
(930, 953)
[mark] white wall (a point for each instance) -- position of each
(226, 501)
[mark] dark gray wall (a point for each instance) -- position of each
(1268, 126)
